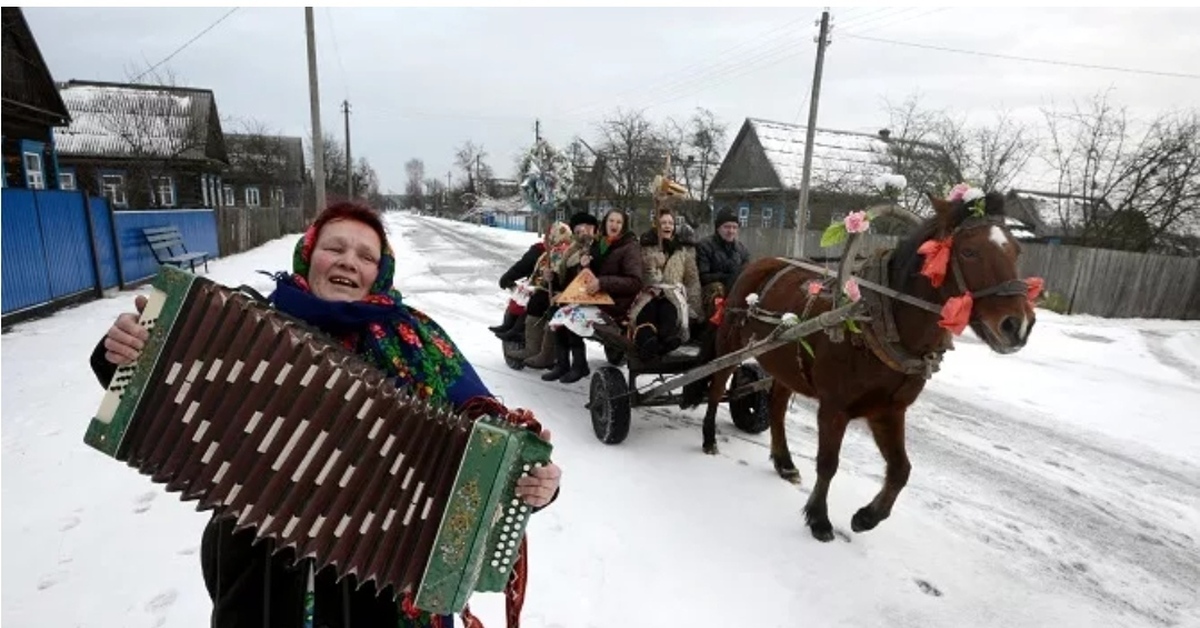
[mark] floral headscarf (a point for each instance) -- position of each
(402, 341)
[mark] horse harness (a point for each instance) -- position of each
(881, 336)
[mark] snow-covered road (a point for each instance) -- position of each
(1056, 487)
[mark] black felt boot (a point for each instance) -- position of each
(510, 319)
(579, 365)
(562, 355)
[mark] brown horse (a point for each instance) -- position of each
(878, 373)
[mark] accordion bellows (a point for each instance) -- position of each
(254, 414)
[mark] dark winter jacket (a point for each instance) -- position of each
(524, 266)
(619, 271)
(721, 261)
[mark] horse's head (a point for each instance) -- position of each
(970, 258)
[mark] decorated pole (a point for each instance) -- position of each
(547, 178)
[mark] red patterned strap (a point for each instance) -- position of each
(479, 406)
(514, 592)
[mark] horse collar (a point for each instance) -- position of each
(882, 336)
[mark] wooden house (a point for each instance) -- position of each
(32, 108)
(264, 171)
(144, 146)
(760, 177)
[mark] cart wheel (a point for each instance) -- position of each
(614, 355)
(513, 350)
(609, 403)
(751, 412)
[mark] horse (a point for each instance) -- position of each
(877, 371)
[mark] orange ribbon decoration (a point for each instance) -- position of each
(937, 259)
(1034, 286)
(719, 315)
(956, 313)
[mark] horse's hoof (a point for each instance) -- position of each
(822, 532)
(864, 520)
(711, 449)
(788, 472)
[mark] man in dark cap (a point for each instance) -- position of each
(720, 258)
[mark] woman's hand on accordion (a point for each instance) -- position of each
(538, 488)
(125, 339)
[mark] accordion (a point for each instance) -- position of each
(257, 416)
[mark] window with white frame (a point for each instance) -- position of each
(114, 189)
(768, 217)
(66, 181)
(744, 215)
(230, 199)
(277, 197)
(35, 177)
(163, 189)
(253, 198)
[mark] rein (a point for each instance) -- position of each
(882, 336)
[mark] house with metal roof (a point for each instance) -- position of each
(144, 146)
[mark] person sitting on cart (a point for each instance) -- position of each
(510, 328)
(540, 354)
(612, 266)
(720, 258)
(669, 303)
(536, 292)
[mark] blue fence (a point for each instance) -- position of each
(62, 244)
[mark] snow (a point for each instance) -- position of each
(1059, 486)
(847, 157)
(116, 120)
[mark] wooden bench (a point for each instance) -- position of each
(163, 243)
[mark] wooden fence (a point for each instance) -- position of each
(1099, 282)
(241, 229)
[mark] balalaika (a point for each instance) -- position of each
(255, 414)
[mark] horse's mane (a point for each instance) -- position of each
(906, 262)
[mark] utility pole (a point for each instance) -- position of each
(810, 133)
(314, 104)
(537, 131)
(349, 162)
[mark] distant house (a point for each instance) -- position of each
(144, 146)
(1054, 217)
(760, 177)
(264, 171)
(31, 109)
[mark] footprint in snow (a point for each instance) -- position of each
(188, 551)
(69, 523)
(50, 579)
(159, 605)
(142, 503)
(927, 588)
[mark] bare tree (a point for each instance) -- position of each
(470, 159)
(706, 136)
(990, 156)
(1125, 185)
(634, 151)
(914, 151)
(415, 170)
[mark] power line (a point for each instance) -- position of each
(185, 45)
(1090, 66)
(669, 80)
(337, 52)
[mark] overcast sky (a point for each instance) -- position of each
(422, 81)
